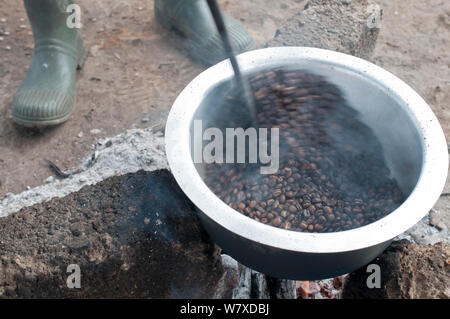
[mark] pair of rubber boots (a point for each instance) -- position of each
(46, 97)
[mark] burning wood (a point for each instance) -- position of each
(322, 289)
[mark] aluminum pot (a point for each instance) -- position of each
(411, 137)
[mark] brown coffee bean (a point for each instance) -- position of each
(288, 172)
(290, 194)
(277, 222)
(311, 188)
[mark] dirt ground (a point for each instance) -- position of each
(135, 70)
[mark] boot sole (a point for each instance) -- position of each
(44, 123)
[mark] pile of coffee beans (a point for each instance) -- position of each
(332, 175)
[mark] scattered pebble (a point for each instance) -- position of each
(80, 135)
(8, 48)
(95, 131)
(2, 20)
(145, 120)
(95, 49)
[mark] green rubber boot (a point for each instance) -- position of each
(47, 95)
(193, 19)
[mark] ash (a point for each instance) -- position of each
(129, 152)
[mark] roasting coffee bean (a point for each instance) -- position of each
(277, 222)
(332, 175)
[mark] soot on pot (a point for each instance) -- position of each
(332, 174)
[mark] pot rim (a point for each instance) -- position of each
(422, 198)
